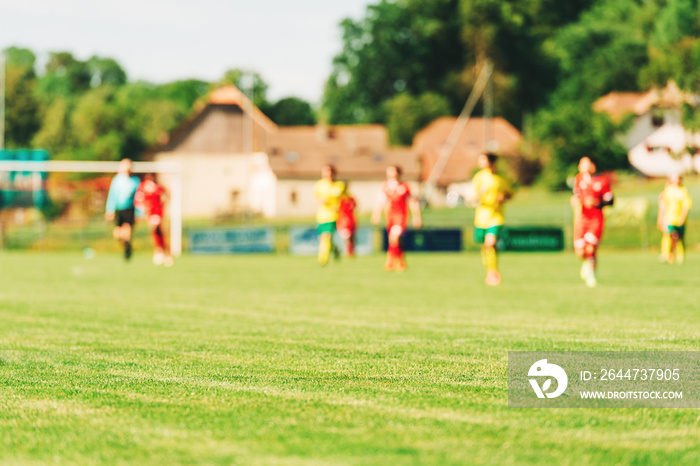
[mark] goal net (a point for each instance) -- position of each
(48, 204)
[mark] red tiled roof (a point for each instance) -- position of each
(619, 104)
(231, 95)
(357, 151)
(429, 142)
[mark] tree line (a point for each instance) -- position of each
(408, 61)
(402, 64)
(88, 109)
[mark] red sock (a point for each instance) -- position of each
(158, 238)
(393, 250)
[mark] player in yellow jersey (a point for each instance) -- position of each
(674, 204)
(328, 192)
(492, 192)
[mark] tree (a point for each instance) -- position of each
(64, 76)
(291, 111)
(440, 46)
(22, 119)
(406, 115)
(184, 93)
(95, 122)
(676, 20)
(605, 50)
(572, 129)
(602, 52)
(55, 134)
(147, 115)
(512, 34)
(408, 46)
(679, 62)
(20, 57)
(105, 71)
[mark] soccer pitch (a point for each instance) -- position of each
(274, 360)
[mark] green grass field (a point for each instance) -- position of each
(273, 360)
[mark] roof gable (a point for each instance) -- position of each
(221, 125)
(429, 143)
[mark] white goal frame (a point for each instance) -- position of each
(173, 169)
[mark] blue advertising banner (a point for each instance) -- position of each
(429, 240)
(303, 241)
(231, 241)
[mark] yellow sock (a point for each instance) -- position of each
(666, 245)
(680, 251)
(324, 249)
(488, 256)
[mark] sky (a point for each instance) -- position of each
(291, 44)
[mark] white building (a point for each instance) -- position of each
(658, 143)
(235, 160)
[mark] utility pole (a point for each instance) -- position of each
(248, 132)
(449, 147)
(489, 142)
(249, 145)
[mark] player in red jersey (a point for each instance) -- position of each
(395, 200)
(346, 223)
(150, 197)
(591, 194)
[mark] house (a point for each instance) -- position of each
(479, 134)
(235, 160)
(657, 141)
(360, 153)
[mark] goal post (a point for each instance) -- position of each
(169, 168)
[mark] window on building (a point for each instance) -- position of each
(293, 197)
(292, 156)
(235, 196)
(657, 118)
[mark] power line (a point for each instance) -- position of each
(447, 150)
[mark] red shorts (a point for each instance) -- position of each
(588, 230)
(345, 224)
(396, 224)
(346, 231)
(155, 210)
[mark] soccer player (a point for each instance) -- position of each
(347, 224)
(150, 197)
(328, 192)
(395, 200)
(591, 194)
(674, 204)
(120, 205)
(492, 191)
